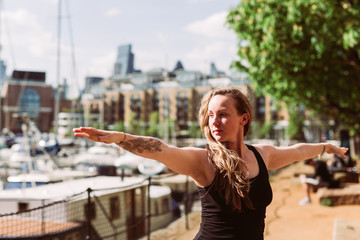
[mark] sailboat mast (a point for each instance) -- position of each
(58, 89)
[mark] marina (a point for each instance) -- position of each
(146, 71)
(53, 194)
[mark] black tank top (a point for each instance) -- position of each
(218, 221)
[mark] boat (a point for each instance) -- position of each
(101, 206)
(23, 152)
(15, 157)
(129, 161)
(39, 178)
(135, 164)
(149, 167)
(99, 154)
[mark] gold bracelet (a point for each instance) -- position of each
(123, 139)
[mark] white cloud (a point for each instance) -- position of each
(220, 53)
(27, 33)
(212, 26)
(34, 47)
(112, 12)
(214, 43)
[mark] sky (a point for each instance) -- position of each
(161, 33)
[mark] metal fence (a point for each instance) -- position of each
(66, 219)
(69, 219)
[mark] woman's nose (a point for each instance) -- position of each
(216, 121)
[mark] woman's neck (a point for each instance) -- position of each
(239, 148)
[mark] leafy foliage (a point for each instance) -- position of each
(303, 51)
(134, 125)
(195, 130)
(153, 129)
(119, 126)
(296, 125)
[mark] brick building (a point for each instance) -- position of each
(26, 93)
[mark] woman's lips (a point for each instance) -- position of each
(216, 132)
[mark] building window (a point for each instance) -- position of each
(182, 102)
(22, 206)
(92, 211)
(166, 106)
(156, 100)
(29, 102)
(114, 208)
(135, 106)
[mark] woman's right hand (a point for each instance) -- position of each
(98, 135)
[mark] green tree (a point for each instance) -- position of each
(165, 128)
(195, 130)
(153, 129)
(134, 125)
(96, 125)
(266, 130)
(303, 51)
(296, 124)
(119, 126)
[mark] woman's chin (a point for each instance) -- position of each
(219, 139)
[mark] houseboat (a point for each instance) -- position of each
(98, 207)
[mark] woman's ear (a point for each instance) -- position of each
(245, 119)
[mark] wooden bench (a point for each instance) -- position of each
(349, 194)
(347, 177)
(346, 229)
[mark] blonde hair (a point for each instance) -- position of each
(229, 166)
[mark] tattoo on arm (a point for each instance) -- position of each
(141, 145)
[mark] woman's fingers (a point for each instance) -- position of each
(90, 133)
(95, 134)
(340, 151)
(343, 152)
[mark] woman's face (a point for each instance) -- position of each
(224, 120)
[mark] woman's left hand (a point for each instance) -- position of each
(331, 149)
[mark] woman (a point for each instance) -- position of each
(231, 176)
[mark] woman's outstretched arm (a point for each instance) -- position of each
(277, 157)
(188, 161)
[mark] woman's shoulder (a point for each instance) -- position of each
(265, 150)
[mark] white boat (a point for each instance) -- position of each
(20, 154)
(134, 163)
(15, 157)
(100, 154)
(38, 178)
(117, 208)
(150, 167)
(129, 161)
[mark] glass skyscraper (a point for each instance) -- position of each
(124, 63)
